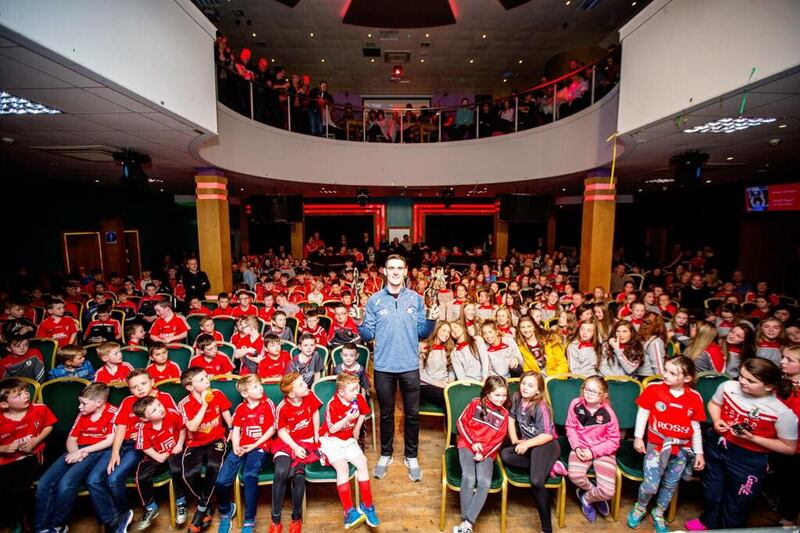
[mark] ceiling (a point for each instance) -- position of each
(532, 33)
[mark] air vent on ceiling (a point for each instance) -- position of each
(372, 52)
(91, 152)
(424, 44)
(389, 35)
(396, 56)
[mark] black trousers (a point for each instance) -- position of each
(297, 475)
(193, 461)
(16, 490)
(432, 394)
(540, 460)
(386, 384)
(147, 470)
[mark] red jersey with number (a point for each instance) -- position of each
(219, 364)
(671, 417)
(89, 431)
(270, 367)
(36, 418)
(254, 422)
(297, 420)
(174, 326)
(337, 410)
(60, 330)
(211, 428)
(163, 439)
(126, 416)
(104, 375)
(171, 370)
(319, 333)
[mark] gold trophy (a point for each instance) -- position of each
(438, 280)
(355, 309)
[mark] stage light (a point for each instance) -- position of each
(362, 196)
(448, 195)
(132, 162)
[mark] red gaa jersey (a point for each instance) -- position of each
(171, 370)
(126, 416)
(254, 422)
(36, 418)
(671, 417)
(219, 311)
(219, 364)
(245, 342)
(239, 311)
(60, 331)
(337, 410)
(297, 420)
(211, 428)
(164, 439)
(175, 326)
(104, 375)
(89, 431)
(270, 367)
(482, 423)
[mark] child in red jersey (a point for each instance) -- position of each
(275, 360)
(265, 313)
(203, 411)
(246, 307)
(135, 335)
(223, 305)
(481, 430)
(670, 412)
(125, 305)
(168, 327)
(103, 328)
(23, 428)
(114, 368)
(87, 446)
(249, 345)
(107, 481)
(344, 417)
(749, 424)
(56, 326)
(312, 327)
(298, 439)
(251, 439)
(161, 439)
(210, 359)
(207, 327)
(196, 307)
(22, 361)
(160, 367)
(343, 328)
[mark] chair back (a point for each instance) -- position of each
(48, 349)
(513, 387)
(707, 383)
(272, 389)
(226, 326)
(288, 346)
(457, 396)
(362, 356)
(194, 326)
(226, 384)
(181, 354)
(211, 305)
(322, 352)
(226, 348)
(118, 391)
(655, 378)
(622, 393)
(262, 326)
(560, 391)
(174, 388)
(61, 396)
(137, 356)
(292, 324)
(92, 357)
(324, 388)
(325, 322)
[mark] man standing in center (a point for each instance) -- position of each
(395, 317)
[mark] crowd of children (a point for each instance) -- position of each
(528, 325)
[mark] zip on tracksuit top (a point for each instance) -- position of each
(397, 324)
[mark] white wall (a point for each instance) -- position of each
(161, 50)
(574, 144)
(680, 53)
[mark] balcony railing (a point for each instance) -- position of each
(295, 108)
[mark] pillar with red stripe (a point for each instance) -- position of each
(214, 229)
(597, 230)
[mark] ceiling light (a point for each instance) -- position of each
(254, 34)
(322, 60)
(372, 60)
(660, 180)
(422, 60)
(483, 36)
(520, 61)
(563, 189)
(369, 35)
(16, 105)
(782, 126)
(505, 80)
(729, 158)
(311, 34)
(273, 59)
(97, 181)
(471, 60)
(241, 188)
(708, 181)
(427, 35)
(640, 190)
(729, 125)
(633, 4)
(567, 3)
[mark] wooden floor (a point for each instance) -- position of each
(406, 506)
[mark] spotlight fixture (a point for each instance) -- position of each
(688, 167)
(362, 196)
(448, 195)
(730, 125)
(132, 162)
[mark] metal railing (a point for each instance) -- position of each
(301, 109)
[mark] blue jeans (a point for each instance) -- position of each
(58, 488)
(227, 477)
(314, 121)
(108, 491)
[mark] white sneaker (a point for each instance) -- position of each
(382, 466)
(414, 471)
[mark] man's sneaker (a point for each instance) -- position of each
(225, 520)
(635, 517)
(602, 508)
(275, 528)
(296, 526)
(694, 525)
(659, 524)
(181, 515)
(369, 513)
(457, 529)
(147, 519)
(382, 466)
(414, 471)
(586, 508)
(353, 518)
(249, 527)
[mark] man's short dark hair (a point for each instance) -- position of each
(396, 256)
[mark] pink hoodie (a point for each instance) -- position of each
(599, 431)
